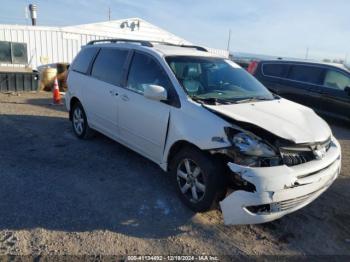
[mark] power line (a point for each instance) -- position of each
(23, 20)
(12, 18)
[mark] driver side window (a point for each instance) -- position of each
(144, 70)
(336, 80)
(189, 75)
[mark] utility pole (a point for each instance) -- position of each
(109, 14)
(26, 15)
(307, 53)
(229, 40)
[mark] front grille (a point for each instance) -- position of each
(292, 203)
(296, 158)
(282, 205)
(300, 154)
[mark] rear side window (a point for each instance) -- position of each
(336, 80)
(82, 61)
(276, 70)
(145, 70)
(306, 74)
(108, 65)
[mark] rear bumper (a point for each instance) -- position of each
(280, 189)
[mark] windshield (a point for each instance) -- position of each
(206, 78)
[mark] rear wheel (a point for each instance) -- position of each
(198, 178)
(79, 121)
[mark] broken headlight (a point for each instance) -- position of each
(251, 150)
(251, 146)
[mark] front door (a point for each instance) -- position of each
(143, 122)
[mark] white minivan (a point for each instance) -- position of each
(222, 136)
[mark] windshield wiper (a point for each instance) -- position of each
(211, 100)
(254, 99)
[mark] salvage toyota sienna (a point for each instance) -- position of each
(223, 137)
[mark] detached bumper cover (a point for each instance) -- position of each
(282, 189)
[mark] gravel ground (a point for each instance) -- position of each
(60, 195)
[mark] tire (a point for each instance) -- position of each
(79, 122)
(209, 175)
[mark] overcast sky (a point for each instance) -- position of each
(273, 27)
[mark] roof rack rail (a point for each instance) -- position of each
(145, 43)
(199, 48)
(121, 40)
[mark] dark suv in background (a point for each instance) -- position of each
(321, 86)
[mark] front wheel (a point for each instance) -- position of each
(199, 180)
(79, 121)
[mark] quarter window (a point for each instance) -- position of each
(306, 74)
(276, 70)
(108, 65)
(336, 80)
(144, 70)
(82, 61)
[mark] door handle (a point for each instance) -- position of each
(125, 98)
(113, 92)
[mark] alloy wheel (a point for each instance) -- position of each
(190, 180)
(78, 121)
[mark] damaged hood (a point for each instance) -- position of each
(280, 117)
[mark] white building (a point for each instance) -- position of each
(46, 45)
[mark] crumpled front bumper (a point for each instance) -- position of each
(283, 189)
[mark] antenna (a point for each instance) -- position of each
(109, 14)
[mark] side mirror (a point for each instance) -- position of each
(347, 90)
(155, 92)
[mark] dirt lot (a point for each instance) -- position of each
(61, 195)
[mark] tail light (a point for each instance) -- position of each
(252, 67)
